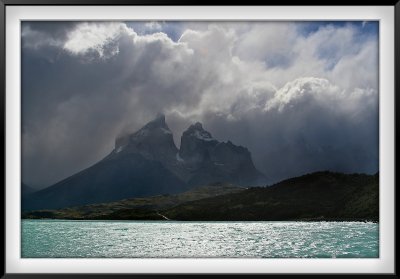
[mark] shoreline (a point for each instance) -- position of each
(209, 221)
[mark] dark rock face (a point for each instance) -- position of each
(154, 142)
(196, 146)
(129, 175)
(147, 163)
(211, 161)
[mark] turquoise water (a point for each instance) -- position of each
(166, 239)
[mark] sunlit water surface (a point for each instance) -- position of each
(165, 239)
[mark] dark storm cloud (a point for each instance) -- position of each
(306, 138)
(55, 29)
(265, 86)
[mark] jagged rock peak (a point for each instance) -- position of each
(196, 130)
(157, 122)
(153, 129)
(198, 126)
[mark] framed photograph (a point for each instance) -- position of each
(154, 140)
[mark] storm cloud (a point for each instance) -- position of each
(301, 96)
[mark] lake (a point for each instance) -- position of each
(173, 239)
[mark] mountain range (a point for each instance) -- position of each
(147, 163)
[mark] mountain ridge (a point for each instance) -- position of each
(147, 162)
(317, 196)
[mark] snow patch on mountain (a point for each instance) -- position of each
(119, 149)
(202, 135)
(179, 158)
(166, 131)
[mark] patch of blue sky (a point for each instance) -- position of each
(364, 28)
(364, 31)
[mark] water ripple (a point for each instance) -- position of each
(160, 239)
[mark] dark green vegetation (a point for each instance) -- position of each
(317, 196)
(134, 209)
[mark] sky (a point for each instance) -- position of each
(301, 96)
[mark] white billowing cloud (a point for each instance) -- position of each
(271, 44)
(286, 54)
(94, 36)
(299, 91)
(309, 101)
(360, 69)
